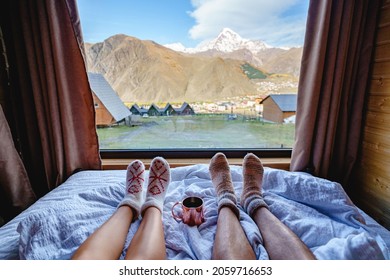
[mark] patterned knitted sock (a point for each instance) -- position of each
(159, 179)
(251, 197)
(134, 182)
(221, 178)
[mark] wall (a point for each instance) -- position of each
(103, 117)
(373, 172)
(271, 111)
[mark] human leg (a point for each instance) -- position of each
(108, 240)
(106, 243)
(230, 239)
(279, 241)
(149, 242)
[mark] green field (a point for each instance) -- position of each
(199, 131)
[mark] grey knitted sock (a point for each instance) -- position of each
(221, 178)
(251, 196)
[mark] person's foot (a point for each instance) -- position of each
(134, 182)
(220, 176)
(159, 179)
(252, 173)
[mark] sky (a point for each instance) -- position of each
(279, 23)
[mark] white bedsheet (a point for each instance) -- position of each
(317, 210)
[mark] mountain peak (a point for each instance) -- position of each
(227, 41)
(229, 33)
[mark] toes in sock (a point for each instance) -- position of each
(159, 179)
(134, 182)
(221, 178)
(251, 196)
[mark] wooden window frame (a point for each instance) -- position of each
(119, 159)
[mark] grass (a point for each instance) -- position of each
(200, 131)
(253, 73)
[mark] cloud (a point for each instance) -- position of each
(276, 22)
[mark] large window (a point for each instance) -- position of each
(181, 74)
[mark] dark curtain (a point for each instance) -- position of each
(13, 199)
(49, 102)
(332, 88)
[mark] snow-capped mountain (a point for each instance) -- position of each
(227, 41)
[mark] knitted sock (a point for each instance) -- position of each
(159, 179)
(134, 182)
(221, 178)
(251, 197)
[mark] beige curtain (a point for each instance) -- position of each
(333, 81)
(50, 100)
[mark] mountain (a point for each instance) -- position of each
(144, 71)
(229, 44)
(226, 42)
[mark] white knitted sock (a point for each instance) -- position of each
(134, 183)
(159, 179)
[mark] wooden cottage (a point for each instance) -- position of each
(278, 107)
(136, 110)
(109, 107)
(168, 110)
(154, 110)
(185, 109)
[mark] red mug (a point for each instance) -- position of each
(192, 212)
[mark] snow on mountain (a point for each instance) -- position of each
(227, 41)
(179, 47)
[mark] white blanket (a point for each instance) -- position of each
(317, 210)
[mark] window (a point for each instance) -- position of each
(194, 75)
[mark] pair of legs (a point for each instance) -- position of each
(230, 240)
(148, 242)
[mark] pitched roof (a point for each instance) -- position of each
(183, 106)
(167, 106)
(155, 107)
(286, 102)
(108, 96)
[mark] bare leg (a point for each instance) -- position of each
(106, 243)
(231, 242)
(230, 239)
(148, 242)
(280, 242)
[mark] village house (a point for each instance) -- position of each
(136, 110)
(109, 108)
(168, 110)
(154, 110)
(277, 107)
(185, 109)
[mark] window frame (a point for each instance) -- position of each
(193, 153)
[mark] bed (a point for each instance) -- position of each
(317, 210)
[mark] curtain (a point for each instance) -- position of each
(13, 199)
(50, 101)
(333, 80)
